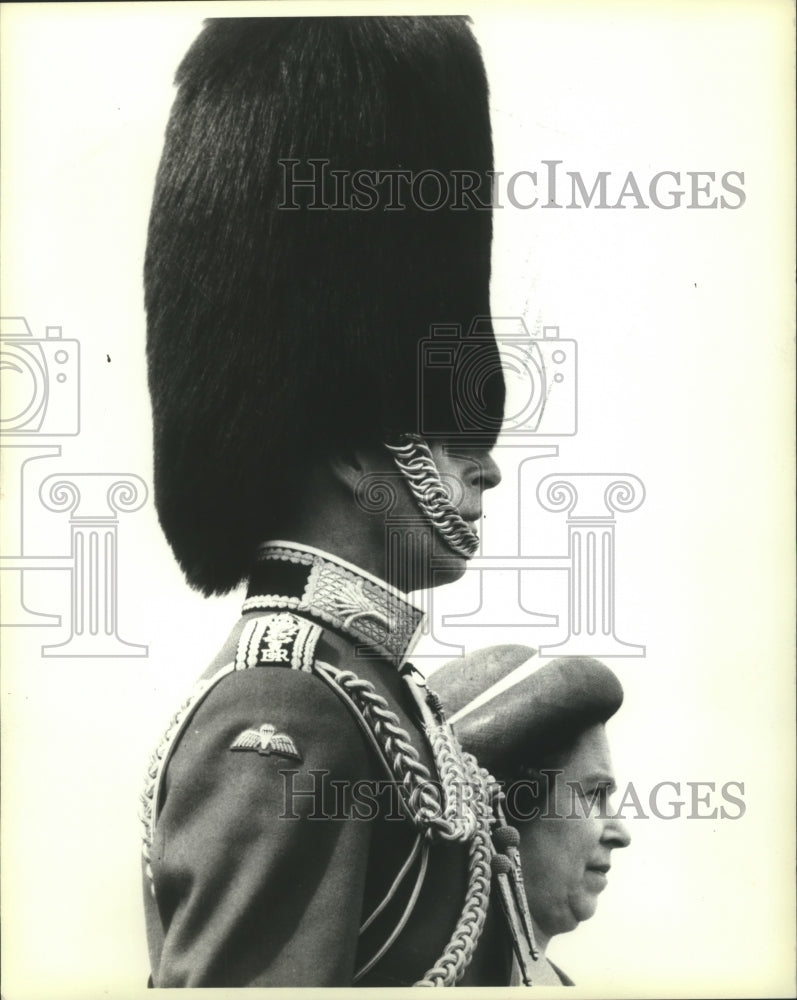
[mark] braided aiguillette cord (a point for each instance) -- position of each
(339, 680)
(396, 745)
(458, 952)
(460, 769)
(461, 784)
(336, 679)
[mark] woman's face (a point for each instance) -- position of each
(566, 851)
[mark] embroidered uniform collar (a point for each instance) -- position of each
(337, 594)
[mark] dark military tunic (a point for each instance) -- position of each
(273, 829)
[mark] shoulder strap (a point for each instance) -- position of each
(280, 639)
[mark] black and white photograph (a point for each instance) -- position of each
(397, 447)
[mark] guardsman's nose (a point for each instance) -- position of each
(490, 472)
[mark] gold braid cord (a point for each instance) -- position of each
(148, 802)
(460, 791)
(414, 460)
(464, 814)
(438, 819)
(456, 957)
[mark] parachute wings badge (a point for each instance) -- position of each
(266, 740)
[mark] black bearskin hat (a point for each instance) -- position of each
(288, 319)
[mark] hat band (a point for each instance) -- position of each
(414, 460)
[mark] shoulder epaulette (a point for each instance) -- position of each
(279, 639)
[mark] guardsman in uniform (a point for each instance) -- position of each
(544, 739)
(309, 818)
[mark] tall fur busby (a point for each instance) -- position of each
(287, 299)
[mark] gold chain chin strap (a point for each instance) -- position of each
(414, 460)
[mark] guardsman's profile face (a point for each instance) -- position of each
(567, 852)
(422, 558)
(470, 471)
(466, 471)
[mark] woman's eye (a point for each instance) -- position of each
(595, 798)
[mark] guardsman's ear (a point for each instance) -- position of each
(350, 465)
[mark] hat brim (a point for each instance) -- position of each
(544, 711)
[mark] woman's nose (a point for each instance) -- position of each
(616, 833)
